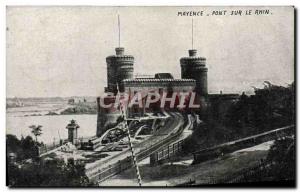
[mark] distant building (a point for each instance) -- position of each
(76, 100)
(71, 101)
(15, 102)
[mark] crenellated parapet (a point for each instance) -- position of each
(145, 85)
(119, 67)
(194, 67)
(152, 82)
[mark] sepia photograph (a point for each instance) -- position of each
(150, 96)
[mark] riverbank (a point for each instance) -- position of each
(81, 108)
(75, 109)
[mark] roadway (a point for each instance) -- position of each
(172, 126)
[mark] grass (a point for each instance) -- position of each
(202, 172)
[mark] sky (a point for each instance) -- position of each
(61, 51)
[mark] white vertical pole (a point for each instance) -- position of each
(119, 27)
(131, 147)
(192, 33)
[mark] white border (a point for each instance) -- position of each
(150, 3)
(5, 3)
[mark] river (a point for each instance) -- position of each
(54, 127)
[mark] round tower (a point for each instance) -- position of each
(119, 67)
(193, 67)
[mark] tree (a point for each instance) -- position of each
(283, 159)
(12, 143)
(52, 173)
(40, 172)
(29, 148)
(23, 149)
(36, 131)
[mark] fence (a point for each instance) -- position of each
(103, 174)
(48, 147)
(229, 147)
(241, 176)
(257, 171)
(166, 153)
(112, 170)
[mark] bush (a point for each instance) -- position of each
(54, 173)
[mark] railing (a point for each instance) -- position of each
(94, 166)
(114, 169)
(142, 155)
(258, 170)
(241, 176)
(166, 153)
(126, 163)
(187, 183)
(171, 150)
(229, 147)
(111, 170)
(43, 149)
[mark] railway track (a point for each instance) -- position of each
(143, 150)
